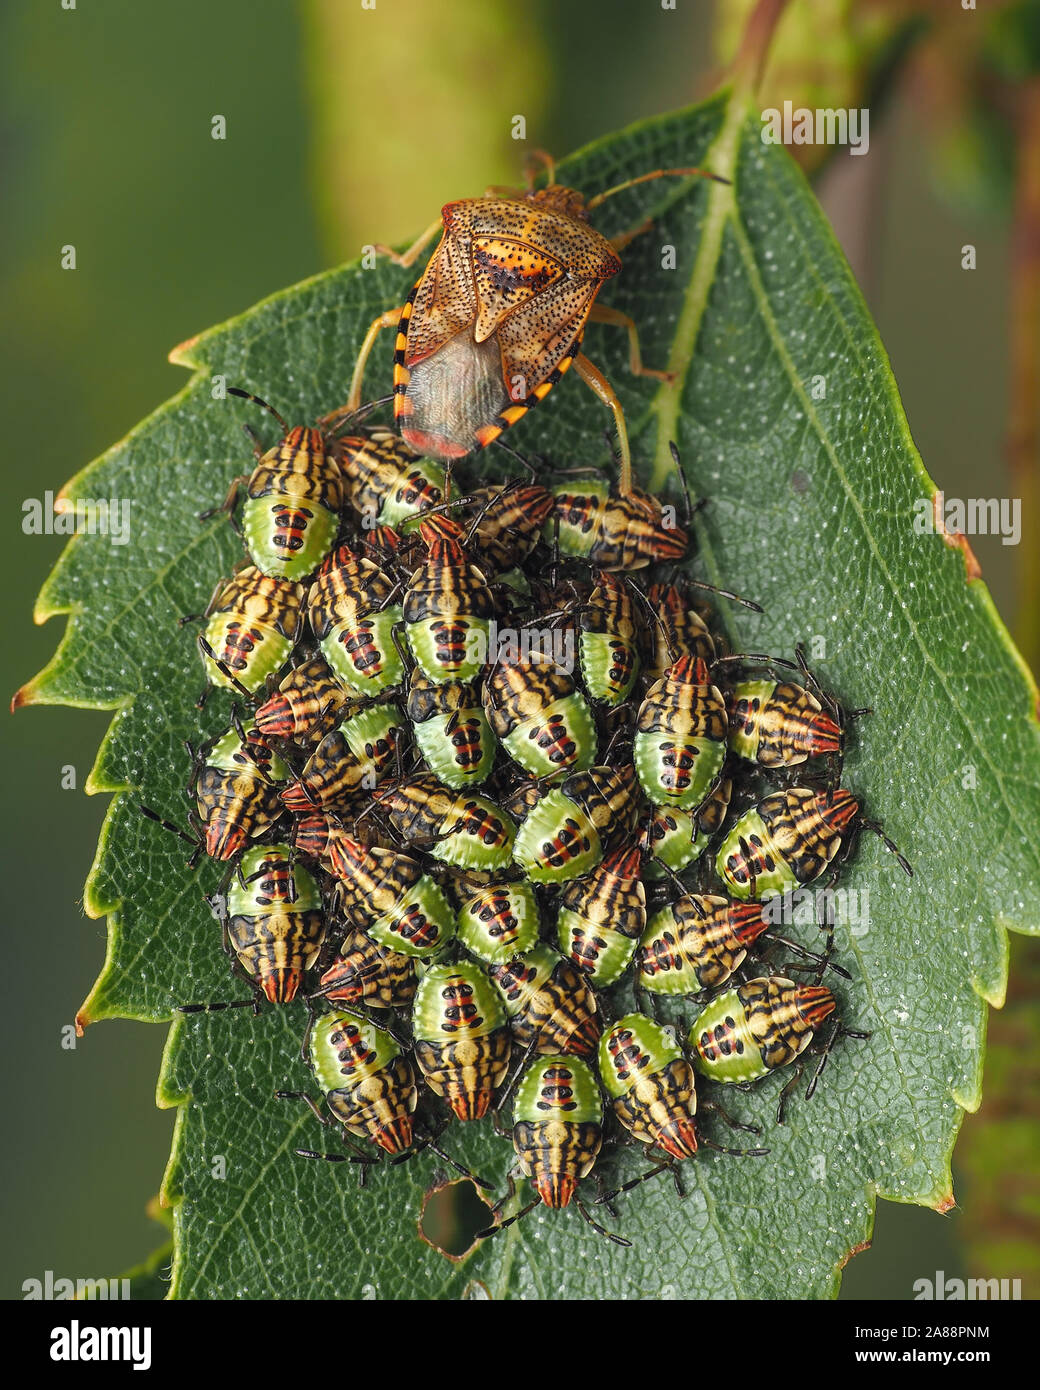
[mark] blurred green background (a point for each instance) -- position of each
(348, 125)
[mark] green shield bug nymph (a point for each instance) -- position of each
(462, 1041)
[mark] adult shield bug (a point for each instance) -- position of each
(498, 316)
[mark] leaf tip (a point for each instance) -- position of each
(180, 356)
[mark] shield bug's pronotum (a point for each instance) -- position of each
(498, 316)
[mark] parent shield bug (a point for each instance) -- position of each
(498, 316)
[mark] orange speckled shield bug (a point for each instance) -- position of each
(498, 315)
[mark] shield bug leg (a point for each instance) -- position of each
(607, 1198)
(734, 1153)
(727, 1118)
(602, 1199)
(509, 1221)
(390, 319)
(614, 318)
(193, 840)
(601, 387)
(877, 829)
(431, 1142)
(309, 1101)
(408, 258)
(586, 1216)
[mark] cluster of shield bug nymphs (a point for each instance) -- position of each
(495, 800)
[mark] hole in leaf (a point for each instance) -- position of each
(452, 1214)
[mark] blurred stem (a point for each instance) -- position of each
(750, 61)
(1023, 443)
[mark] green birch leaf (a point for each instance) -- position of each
(789, 421)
